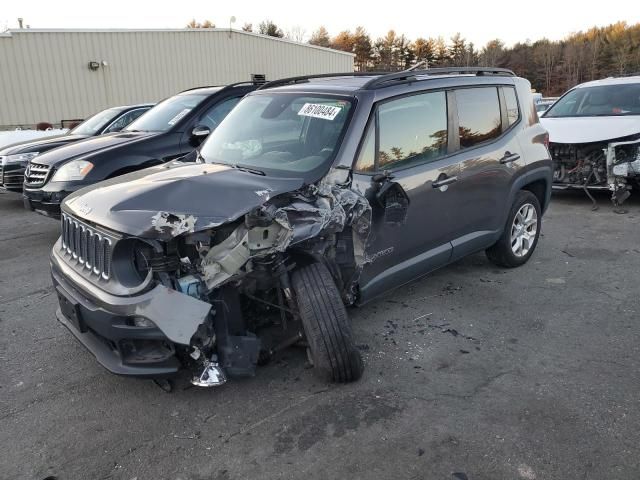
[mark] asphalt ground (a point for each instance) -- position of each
(475, 372)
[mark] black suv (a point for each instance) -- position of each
(14, 158)
(171, 129)
(314, 193)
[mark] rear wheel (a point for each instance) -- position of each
(521, 232)
(326, 324)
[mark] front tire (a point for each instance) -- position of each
(521, 232)
(326, 325)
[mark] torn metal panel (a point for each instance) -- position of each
(176, 314)
(333, 208)
(314, 212)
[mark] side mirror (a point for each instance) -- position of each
(395, 201)
(200, 132)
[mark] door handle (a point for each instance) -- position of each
(509, 157)
(443, 181)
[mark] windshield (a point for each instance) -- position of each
(167, 113)
(280, 132)
(96, 123)
(541, 107)
(603, 100)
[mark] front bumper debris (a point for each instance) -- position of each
(106, 324)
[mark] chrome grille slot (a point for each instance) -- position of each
(36, 174)
(87, 247)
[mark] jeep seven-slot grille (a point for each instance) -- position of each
(87, 247)
(36, 174)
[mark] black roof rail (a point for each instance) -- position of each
(411, 75)
(293, 80)
(224, 87)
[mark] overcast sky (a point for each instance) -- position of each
(478, 21)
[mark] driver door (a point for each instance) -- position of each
(406, 171)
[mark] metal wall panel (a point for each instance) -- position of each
(44, 74)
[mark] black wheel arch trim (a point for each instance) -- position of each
(543, 173)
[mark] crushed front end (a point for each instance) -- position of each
(202, 295)
(608, 165)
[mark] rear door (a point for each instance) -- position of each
(408, 143)
(489, 154)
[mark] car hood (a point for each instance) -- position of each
(91, 145)
(590, 129)
(41, 143)
(164, 201)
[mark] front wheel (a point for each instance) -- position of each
(521, 232)
(326, 324)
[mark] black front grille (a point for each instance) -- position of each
(1, 173)
(12, 176)
(87, 247)
(36, 174)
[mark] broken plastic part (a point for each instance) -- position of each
(211, 375)
(176, 314)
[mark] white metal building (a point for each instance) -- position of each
(51, 75)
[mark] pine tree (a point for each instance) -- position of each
(320, 38)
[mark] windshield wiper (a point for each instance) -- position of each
(248, 170)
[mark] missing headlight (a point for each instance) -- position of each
(131, 262)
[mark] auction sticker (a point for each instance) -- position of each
(179, 116)
(326, 112)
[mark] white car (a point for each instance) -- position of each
(594, 136)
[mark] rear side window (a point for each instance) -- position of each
(511, 101)
(478, 115)
(413, 130)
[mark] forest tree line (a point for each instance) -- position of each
(552, 67)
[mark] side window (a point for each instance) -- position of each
(513, 113)
(215, 114)
(124, 120)
(367, 156)
(478, 115)
(413, 130)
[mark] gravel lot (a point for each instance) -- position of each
(472, 373)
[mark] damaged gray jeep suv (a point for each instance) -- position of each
(313, 194)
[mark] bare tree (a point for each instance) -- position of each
(296, 34)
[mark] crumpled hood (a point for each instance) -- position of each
(167, 200)
(91, 145)
(40, 143)
(590, 129)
